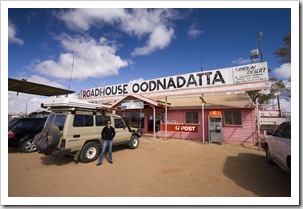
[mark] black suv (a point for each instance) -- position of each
(21, 133)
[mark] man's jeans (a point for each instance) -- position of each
(106, 143)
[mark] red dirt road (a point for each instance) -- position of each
(158, 168)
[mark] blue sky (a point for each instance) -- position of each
(113, 46)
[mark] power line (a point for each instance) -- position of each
(74, 66)
(85, 76)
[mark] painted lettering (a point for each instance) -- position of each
(191, 81)
(125, 89)
(136, 88)
(218, 78)
(180, 81)
(108, 91)
(207, 74)
(152, 85)
(256, 71)
(163, 85)
(171, 83)
(144, 86)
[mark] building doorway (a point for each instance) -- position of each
(151, 122)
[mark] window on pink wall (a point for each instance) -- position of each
(233, 117)
(191, 117)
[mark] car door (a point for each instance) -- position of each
(122, 132)
(275, 144)
(283, 144)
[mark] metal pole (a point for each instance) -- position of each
(202, 121)
(258, 123)
(165, 117)
(154, 121)
(279, 107)
(260, 45)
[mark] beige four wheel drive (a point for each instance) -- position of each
(74, 128)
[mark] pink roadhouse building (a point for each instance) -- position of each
(211, 106)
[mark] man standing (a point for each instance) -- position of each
(107, 134)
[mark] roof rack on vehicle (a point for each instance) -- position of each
(70, 103)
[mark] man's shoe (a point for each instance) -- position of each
(111, 162)
(99, 164)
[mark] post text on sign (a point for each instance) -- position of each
(180, 128)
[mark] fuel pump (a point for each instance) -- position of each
(215, 133)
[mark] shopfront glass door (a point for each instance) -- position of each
(151, 122)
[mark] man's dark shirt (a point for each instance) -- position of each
(108, 133)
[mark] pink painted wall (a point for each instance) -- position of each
(231, 134)
(242, 134)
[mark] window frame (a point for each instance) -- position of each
(233, 117)
(192, 119)
(105, 118)
(84, 122)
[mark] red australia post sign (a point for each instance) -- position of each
(180, 127)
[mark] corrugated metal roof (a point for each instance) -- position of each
(212, 101)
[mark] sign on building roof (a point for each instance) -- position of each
(235, 78)
(132, 104)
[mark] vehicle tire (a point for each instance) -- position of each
(89, 152)
(28, 146)
(268, 155)
(53, 136)
(134, 142)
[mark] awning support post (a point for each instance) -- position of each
(165, 117)
(154, 121)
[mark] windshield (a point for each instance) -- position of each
(57, 119)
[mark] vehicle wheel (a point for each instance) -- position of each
(268, 155)
(90, 152)
(28, 146)
(134, 142)
(53, 136)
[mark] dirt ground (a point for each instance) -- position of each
(158, 168)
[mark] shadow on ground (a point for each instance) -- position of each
(244, 170)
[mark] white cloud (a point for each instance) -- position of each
(91, 59)
(23, 102)
(241, 61)
(26, 103)
(42, 80)
(193, 32)
(84, 19)
(283, 72)
(140, 23)
(12, 33)
(285, 105)
(139, 80)
(159, 39)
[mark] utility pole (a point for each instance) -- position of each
(260, 45)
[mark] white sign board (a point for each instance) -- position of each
(245, 74)
(250, 73)
(132, 104)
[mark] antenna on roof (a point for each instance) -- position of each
(201, 54)
(71, 73)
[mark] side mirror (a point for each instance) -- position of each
(270, 132)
